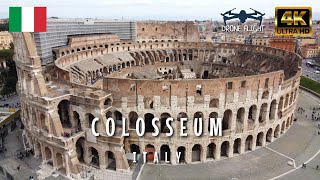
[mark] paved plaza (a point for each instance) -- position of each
(300, 143)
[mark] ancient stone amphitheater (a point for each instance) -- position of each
(253, 88)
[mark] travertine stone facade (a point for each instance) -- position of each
(167, 31)
(117, 80)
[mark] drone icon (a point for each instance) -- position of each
(242, 16)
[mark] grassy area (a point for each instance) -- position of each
(310, 84)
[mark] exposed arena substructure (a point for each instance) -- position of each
(253, 88)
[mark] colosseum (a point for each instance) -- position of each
(252, 88)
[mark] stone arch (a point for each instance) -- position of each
(94, 157)
(163, 127)
(178, 124)
(197, 116)
(59, 160)
(263, 113)
(277, 131)
(286, 101)
(265, 95)
(269, 135)
(48, 155)
(272, 112)
(252, 114)
(135, 148)
(196, 153)
(280, 104)
(240, 120)
(237, 146)
(148, 122)
(163, 150)
(288, 123)
(63, 110)
(211, 150)
(150, 152)
(260, 139)
(249, 143)
(133, 117)
(110, 160)
(182, 150)
(107, 103)
(89, 118)
(43, 123)
(76, 119)
(80, 145)
(225, 149)
(214, 103)
(227, 119)
(117, 116)
(212, 115)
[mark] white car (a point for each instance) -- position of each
(317, 72)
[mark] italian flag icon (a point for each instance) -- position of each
(27, 19)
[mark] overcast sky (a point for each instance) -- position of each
(154, 9)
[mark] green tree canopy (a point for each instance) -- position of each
(6, 54)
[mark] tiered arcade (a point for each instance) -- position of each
(254, 89)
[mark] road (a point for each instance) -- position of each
(309, 71)
(13, 100)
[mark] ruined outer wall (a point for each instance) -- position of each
(182, 31)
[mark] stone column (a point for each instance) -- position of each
(233, 122)
(188, 155)
(203, 153)
(102, 160)
(205, 125)
(87, 156)
(54, 161)
(67, 166)
(243, 146)
(263, 140)
(254, 140)
(230, 151)
(173, 157)
(217, 152)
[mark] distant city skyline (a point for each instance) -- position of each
(154, 9)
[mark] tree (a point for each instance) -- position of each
(10, 85)
(6, 54)
(4, 27)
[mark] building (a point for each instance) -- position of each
(58, 31)
(128, 80)
(285, 43)
(157, 31)
(260, 41)
(5, 40)
(310, 51)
